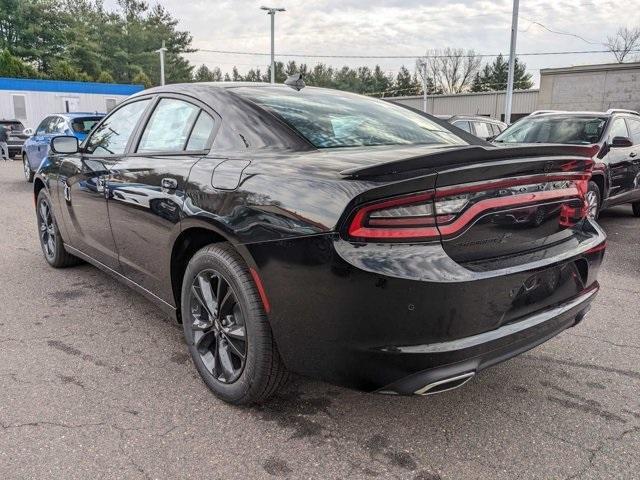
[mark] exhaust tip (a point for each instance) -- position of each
(445, 384)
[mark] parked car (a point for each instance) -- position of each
(17, 136)
(325, 233)
(615, 135)
(482, 127)
(36, 147)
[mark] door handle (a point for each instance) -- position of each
(169, 183)
(633, 154)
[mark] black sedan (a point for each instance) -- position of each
(324, 233)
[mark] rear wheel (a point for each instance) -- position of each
(226, 328)
(28, 173)
(593, 198)
(636, 208)
(50, 239)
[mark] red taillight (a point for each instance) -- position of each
(450, 210)
(410, 217)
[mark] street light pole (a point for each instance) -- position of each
(424, 86)
(272, 12)
(512, 62)
(161, 52)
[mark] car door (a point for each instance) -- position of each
(619, 161)
(147, 188)
(84, 183)
(34, 147)
(633, 124)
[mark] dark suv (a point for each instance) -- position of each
(615, 136)
(15, 134)
(482, 127)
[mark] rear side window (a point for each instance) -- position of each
(634, 130)
(201, 132)
(169, 126)
(482, 129)
(112, 136)
(618, 129)
(84, 125)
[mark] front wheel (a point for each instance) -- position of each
(593, 197)
(636, 208)
(226, 328)
(28, 173)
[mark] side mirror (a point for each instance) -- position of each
(64, 144)
(28, 132)
(621, 142)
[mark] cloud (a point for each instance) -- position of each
(396, 27)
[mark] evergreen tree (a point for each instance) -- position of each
(494, 76)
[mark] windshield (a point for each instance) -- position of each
(555, 129)
(331, 119)
(13, 126)
(85, 124)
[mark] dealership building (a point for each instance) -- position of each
(580, 88)
(32, 100)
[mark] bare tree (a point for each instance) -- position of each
(451, 69)
(623, 43)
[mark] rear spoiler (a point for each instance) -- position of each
(457, 156)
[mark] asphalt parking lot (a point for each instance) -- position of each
(96, 383)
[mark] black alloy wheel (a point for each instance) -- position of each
(217, 326)
(227, 329)
(49, 235)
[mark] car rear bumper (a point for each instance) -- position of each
(396, 318)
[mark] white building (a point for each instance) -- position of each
(583, 87)
(31, 100)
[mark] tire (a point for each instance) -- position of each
(594, 199)
(238, 324)
(636, 209)
(28, 173)
(50, 239)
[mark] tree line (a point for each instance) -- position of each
(81, 40)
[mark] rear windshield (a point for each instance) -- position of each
(581, 130)
(84, 124)
(13, 126)
(332, 119)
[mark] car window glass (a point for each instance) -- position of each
(482, 129)
(201, 132)
(168, 126)
(42, 128)
(618, 129)
(555, 129)
(84, 125)
(60, 126)
(464, 125)
(634, 130)
(333, 119)
(111, 137)
(495, 128)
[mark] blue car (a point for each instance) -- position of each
(36, 148)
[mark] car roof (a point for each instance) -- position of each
(10, 120)
(79, 114)
(478, 118)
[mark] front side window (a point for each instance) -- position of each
(634, 130)
(618, 129)
(112, 136)
(464, 125)
(555, 129)
(44, 125)
(332, 119)
(169, 126)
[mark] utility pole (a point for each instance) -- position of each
(161, 52)
(272, 12)
(512, 62)
(424, 86)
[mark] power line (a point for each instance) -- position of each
(479, 55)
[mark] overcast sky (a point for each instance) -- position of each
(398, 27)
